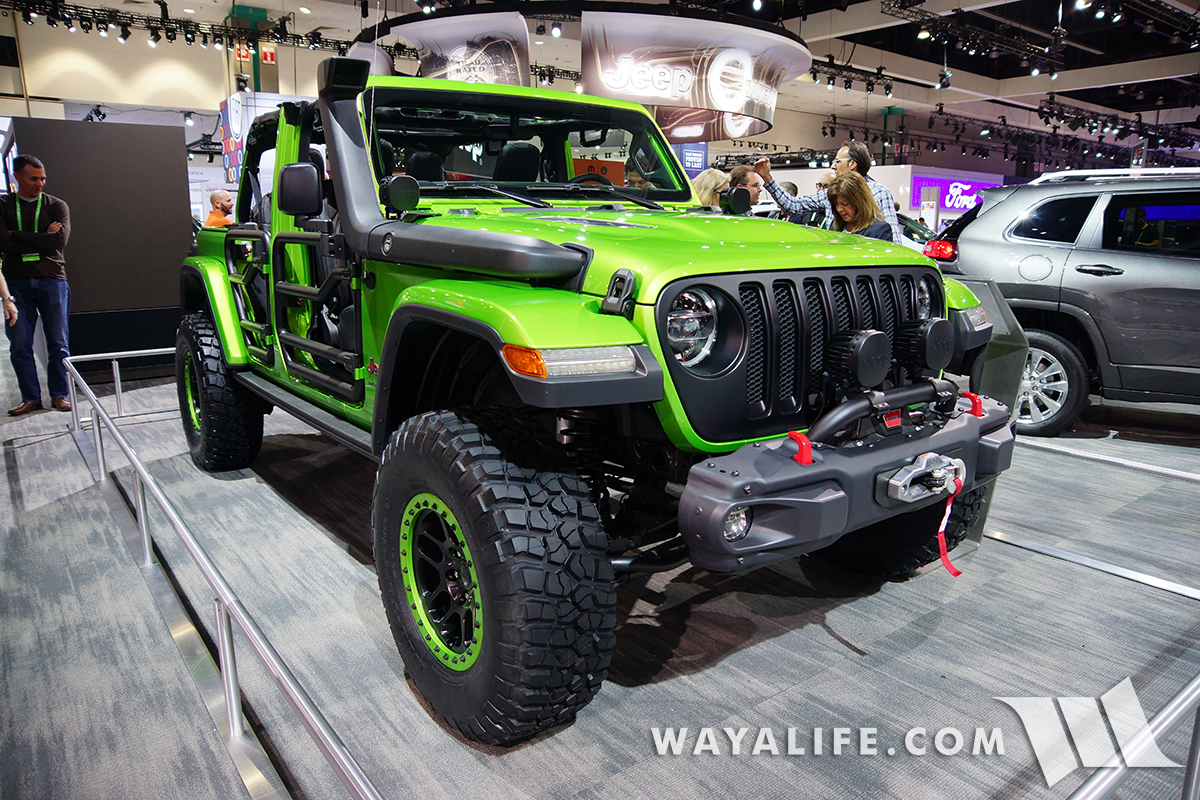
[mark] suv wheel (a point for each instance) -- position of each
(1053, 388)
(222, 421)
(898, 546)
(495, 578)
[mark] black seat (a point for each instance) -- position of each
(425, 165)
(518, 161)
(386, 156)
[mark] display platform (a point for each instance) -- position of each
(98, 703)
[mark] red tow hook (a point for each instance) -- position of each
(805, 454)
(976, 403)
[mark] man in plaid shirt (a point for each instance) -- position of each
(852, 156)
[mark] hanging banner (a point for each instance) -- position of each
(707, 79)
(478, 48)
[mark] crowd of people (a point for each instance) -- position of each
(847, 199)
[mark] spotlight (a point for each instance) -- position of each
(1100, 12)
(964, 149)
(1149, 28)
(1025, 62)
(870, 87)
(924, 32)
(1121, 90)
(102, 29)
(887, 89)
(541, 29)
(191, 156)
(204, 41)
(314, 40)
(155, 38)
(218, 42)
(426, 8)
(556, 30)
(1159, 101)
(1176, 38)
(52, 22)
(189, 37)
(848, 84)
(1035, 72)
(170, 35)
(756, 5)
(85, 25)
(1117, 15)
(931, 121)
(550, 78)
(985, 130)
(1083, 4)
(251, 46)
(579, 88)
(1054, 76)
(1141, 95)
(124, 37)
(829, 83)
(26, 17)
(994, 54)
(187, 119)
(243, 82)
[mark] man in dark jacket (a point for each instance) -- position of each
(34, 228)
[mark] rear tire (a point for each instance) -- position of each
(1053, 388)
(223, 422)
(898, 546)
(495, 578)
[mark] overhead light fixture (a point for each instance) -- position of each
(870, 87)
(26, 17)
(578, 88)
(189, 37)
(1160, 101)
(1100, 12)
(52, 22)
(427, 8)
(887, 89)
(1025, 62)
(1176, 38)
(1054, 76)
(102, 29)
(1035, 72)
(71, 25)
(985, 130)
(187, 119)
(1117, 14)
(541, 29)
(1149, 28)
(251, 46)
(305, 10)
(314, 40)
(218, 42)
(1083, 4)
(124, 37)
(155, 38)
(556, 30)
(924, 32)
(204, 41)
(829, 83)
(848, 84)
(1141, 95)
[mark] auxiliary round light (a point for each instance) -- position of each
(737, 523)
(692, 326)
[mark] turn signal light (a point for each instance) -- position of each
(941, 250)
(525, 360)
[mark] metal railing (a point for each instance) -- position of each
(1104, 781)
(226, 606)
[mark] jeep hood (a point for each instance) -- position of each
(659, 247)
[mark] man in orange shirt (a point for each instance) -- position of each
(222, 207)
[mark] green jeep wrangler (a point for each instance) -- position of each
(565, 380)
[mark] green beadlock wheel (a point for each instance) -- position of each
(191, 386)
(440, 581)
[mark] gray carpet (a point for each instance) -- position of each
(96, 703)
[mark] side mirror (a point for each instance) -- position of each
(299, 192)
(401, 193)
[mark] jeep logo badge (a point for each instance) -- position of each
(387, 244)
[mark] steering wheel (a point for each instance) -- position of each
(594, 177)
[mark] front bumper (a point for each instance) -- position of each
(798, 508)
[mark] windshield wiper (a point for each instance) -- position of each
(603, 189)
(520, 198)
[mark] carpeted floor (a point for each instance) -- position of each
(96, 701)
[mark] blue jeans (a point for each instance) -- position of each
(51, 299)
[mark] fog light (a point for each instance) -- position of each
(737, 523)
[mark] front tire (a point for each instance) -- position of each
(495, 578)
(223, 423)
(898, 546)
(1054, 386)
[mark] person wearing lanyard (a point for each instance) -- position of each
(34, 228)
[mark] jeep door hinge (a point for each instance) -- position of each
(619, 297)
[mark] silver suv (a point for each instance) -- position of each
(1102, 268)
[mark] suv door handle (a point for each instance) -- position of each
(1099, 269)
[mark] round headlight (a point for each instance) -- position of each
(692, 326)
(737, 523)
(924, 299)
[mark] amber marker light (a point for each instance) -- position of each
(524, 360)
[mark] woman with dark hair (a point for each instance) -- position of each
(855, 210)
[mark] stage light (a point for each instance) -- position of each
(924, 32)
(187, 119)
(155, 38)
(848, 84)
(124, 37)
(887, 89)
(556, 30)
(541, 29)
(218, 42)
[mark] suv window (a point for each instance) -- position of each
(1056, 221)
(1166, 223)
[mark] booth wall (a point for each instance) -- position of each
(127, 187)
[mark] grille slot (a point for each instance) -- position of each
(887, 293)
(756, 354)
(906, 295)
(842, 307)
(789, 340)
(867, 303)
(818, 332)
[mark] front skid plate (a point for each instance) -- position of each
(799, 508)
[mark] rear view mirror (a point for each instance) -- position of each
(401, 193)
(299, 192)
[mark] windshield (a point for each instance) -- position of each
(529, 146)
